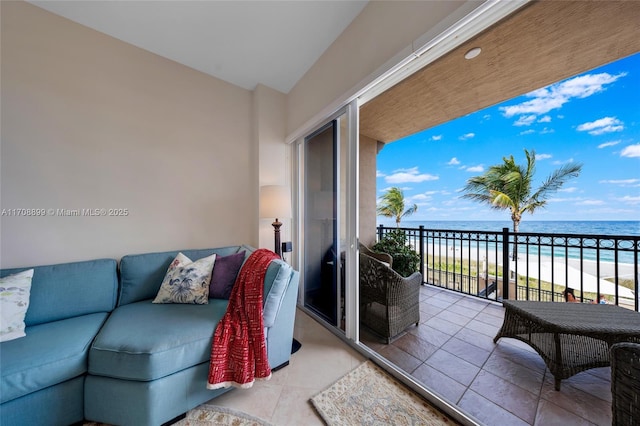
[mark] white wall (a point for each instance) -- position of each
(274, 162)
(91, 122)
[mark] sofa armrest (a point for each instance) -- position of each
(279, 334)
(277, 282)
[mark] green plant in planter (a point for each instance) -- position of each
(405, 259)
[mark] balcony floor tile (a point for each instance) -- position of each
(497, 383)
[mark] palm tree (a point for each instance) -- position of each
(507, 186)
(392, 205)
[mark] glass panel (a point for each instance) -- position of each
(321, 259)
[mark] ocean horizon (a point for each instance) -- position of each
(621, 228)
(591, 227)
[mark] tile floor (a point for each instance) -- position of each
(284, 399)
(451, 352)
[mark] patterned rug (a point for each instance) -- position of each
(219, 416)
(369, 396)
(211, 415)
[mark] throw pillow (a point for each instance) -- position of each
(186, 281)
(14, 301)
(225, 271)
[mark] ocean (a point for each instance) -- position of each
(595, 227)
(603, 228)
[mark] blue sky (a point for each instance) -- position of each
(592, 118)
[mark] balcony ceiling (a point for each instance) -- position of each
(541, 44)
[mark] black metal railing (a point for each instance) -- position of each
(537, 266)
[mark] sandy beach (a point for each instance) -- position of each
(607, 269)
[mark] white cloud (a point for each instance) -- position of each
(543, 156)
(545, 119)
(601, 126)
(486, 117)
(555, 96)
(467, 136)
(525, 120)
(627, 199)
(379, 174)
(541, 103)
(409, 175)
(475, 169)
(590, 203)
(436, 137)
(559, 162)
(527, 132)
(420, 197)
(606, 144)
(453, 162)
(621, 181)
(632, 151)
(564, 200)
(546, 130)
(404, 188)
(569, 189)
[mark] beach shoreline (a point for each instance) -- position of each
(607, 269)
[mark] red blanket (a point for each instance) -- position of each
(239, 351)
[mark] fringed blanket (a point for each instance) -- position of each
(239, 351)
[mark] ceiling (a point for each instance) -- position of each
(542, 43)
(242, 42)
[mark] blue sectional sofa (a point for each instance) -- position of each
(109, 355)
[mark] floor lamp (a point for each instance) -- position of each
(275, 202)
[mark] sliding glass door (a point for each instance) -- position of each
(326, 232)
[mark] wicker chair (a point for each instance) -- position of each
(625, 384)
(389, 303)
(383, 257)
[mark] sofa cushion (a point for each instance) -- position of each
(187, 281)
(145, 341)
(70, 289)
(49, 354)
(225, 272)
(142, 274)
(14, 301)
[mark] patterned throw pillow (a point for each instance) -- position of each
(224, 275)
(14, 301)
(187, 281)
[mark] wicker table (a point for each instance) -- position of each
(570, 337)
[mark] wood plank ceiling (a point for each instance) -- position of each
(543, 43)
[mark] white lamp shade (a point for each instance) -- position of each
(275, 202)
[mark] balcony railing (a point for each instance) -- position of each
(537, 266)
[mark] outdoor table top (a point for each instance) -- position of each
(579, 317)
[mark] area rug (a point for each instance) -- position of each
(210, 415)
(370, 396)
(219, 416)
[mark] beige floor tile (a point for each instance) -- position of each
(295, 408)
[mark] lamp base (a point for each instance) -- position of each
(276, 231)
